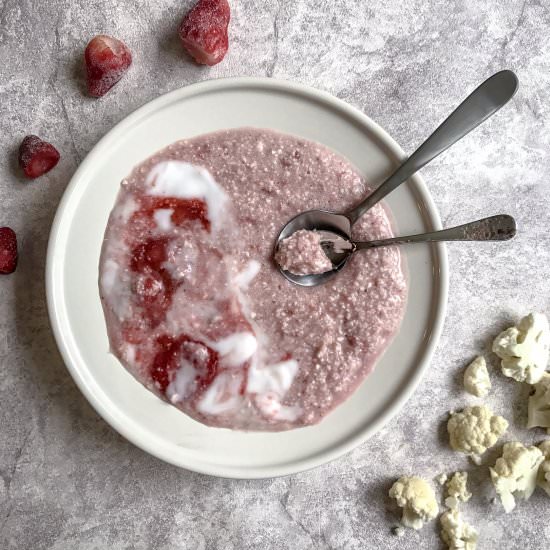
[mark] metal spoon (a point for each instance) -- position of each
(483, 102)
(339, 249)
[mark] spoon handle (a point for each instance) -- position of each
(483, 102)
(494, 228)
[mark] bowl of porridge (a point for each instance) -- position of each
(172, 315)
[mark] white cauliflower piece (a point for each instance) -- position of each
(476, 378)
(441, 479)
(543, 480)
(524, 349)
(456, 533)
(515, 473)
(538, 408)
(417, 499)
(474, 430)
(457, 490)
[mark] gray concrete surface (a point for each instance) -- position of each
(67, 480)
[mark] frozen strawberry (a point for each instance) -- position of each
(36, 157)
(203, 31)
(107, 59)
(8, 250)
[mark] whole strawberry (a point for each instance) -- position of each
(107, 59)
(36, 156)
(203, 31)
(8, 250)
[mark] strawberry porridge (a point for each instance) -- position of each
(302, 254)
(195, 306)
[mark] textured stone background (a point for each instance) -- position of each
(67, 480)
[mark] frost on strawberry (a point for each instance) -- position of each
(36, 157)
(107, 59)
(203, 31)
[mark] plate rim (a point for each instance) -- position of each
(55, 303)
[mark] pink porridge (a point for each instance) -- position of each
(302, 254)
(195, 306)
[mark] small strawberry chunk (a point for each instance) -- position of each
(36, 157)
(185, 210)
(107, 59)
(174, 353)
(150, 254)
(203, 31)
(152, 284)
(8, 250)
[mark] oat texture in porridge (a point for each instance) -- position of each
(195, 306)
(302, 254)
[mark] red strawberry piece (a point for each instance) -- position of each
(203, 31)
(173, 353)
(185, 210)
(150, 254)
(8, 250)
(153, 285)
(107, 59)
(36, 157)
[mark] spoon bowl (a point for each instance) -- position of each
(339, 248)
(332, 226)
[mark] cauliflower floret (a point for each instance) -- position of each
(476, 378)
(441, 479)
(417, 499)
(524, 349)
(457, 490)
(538, 409)
(515, 473)
(474, 430)
(543, 479)
(456, 533)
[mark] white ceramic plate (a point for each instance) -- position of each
(77, 317)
